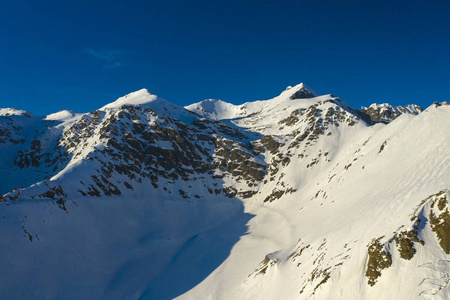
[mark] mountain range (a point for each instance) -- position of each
(296, 197)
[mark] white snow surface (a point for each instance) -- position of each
(141, 97)
(216, 109)
(12, 112)
(220, 110)
(64, 116)
(147, 99)
(345, 184)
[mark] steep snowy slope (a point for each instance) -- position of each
(296, 197)
(309, 237)
(314, 243)
(26, 143)
(138, 192)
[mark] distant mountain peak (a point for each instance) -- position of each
(301, 91)
(140, 97)
(213, 101)
(63, 115)
(218, 110)
(215, 109)
(385, 113)
(13, 112)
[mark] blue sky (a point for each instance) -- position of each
(81, 55)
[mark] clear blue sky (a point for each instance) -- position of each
(80, 55)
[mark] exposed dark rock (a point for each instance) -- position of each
(379, 259)
(386, 113)
(302, 93)
(440, 220)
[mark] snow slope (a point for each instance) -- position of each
(296, 197)
(312, 244)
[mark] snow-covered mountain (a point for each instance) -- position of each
(386, 113)
(296, 197)
(220, 110)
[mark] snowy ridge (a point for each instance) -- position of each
(385, 112)
(216, 109)
(64, 116)
(141, 97)
(296, 197)
(220, 110)
(12, 112)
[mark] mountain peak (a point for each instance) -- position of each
(146, 99)
(219, 110)
(215, 109)
(386, 113)
(63, 115)
(300, 91)
(140, 97)
(13, 112)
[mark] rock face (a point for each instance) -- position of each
(302, 92)
(385, 113)
(295, 197)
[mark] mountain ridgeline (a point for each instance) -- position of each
(296, 197)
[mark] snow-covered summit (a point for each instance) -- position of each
(140, 97)
(270, 116)
(13, 112)
(220, 110)
(215, 109)
(145, 98)
(63, 116)
(300, 91)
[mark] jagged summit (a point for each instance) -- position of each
(385, 113)
(301, 91)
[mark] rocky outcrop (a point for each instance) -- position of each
(386, 113)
